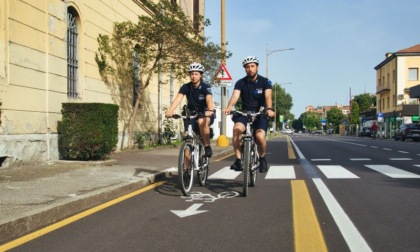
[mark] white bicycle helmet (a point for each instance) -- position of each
(196, 67)
(250, 59)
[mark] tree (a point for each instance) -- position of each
(284, 102)
(335, 116)
(365, 101)
(354, 116)
(165, 42)
(311, 120)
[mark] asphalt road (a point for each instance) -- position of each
(340, 194)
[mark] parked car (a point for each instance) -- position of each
(316, 132)
(408, 131)
(287, 131)
(364, 131)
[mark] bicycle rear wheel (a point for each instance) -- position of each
(246, 168)
(203, 171)
(185, 168)
(254, 162)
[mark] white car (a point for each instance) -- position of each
(287, 131)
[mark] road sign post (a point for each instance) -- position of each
(224, 79)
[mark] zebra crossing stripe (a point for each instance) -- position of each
(392, 172)
(400, 159)
(330, 172)
(281, 172)
(360, 159)
(225, 173)
(336, 172)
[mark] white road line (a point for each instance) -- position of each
(374, 147)
(405, 152)
(392, 172)
(320, 159)
(336, 172)
(225, 173)
(400, 159)
(281, 172)
(360, 159)
(417, 165)
(351, 235)
(387, 149)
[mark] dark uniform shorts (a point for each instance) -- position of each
(261, 122)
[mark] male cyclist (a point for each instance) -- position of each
(255, 92)
(199, 100)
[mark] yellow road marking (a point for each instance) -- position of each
(60, 224)
(220, 159)
(290, 151)
(308, 235)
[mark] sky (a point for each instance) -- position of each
(337, 43)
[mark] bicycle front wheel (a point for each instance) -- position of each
(247, 167)
(203, 171)
(254, 162)
(185, 168)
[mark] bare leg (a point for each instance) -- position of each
(203, 124)
(261, 142)
(237, 133)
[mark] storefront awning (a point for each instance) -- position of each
(415, 92)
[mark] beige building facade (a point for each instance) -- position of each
(395, 76)
(47, 57)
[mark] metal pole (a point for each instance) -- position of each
(160, 101)
(223, 89)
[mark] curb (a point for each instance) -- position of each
(25, 225)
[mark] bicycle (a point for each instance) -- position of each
(191, 157)
(249, 152)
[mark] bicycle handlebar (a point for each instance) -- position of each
(247, 113)
(176, 116)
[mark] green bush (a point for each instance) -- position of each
(88, 131)
(142, 139)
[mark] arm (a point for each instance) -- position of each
(269, 102)
(174, 104)
(232, 101)
(209, 102)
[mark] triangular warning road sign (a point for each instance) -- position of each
(222, 74)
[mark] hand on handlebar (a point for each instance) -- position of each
(168, 114)
(208, 113)
(227, 111)
(271, 113)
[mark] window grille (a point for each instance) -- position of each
(72, 59)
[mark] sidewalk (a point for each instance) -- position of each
(32, 197)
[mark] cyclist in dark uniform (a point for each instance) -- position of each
(199, 100)
(255, 92)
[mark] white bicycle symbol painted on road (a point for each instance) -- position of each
(207, 197)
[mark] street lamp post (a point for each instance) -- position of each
(267, 53)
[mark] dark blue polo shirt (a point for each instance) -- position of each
(253, 93)
(196, 97)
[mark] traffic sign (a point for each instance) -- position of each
(380, 117)
(223, 74)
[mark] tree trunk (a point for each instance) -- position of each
(132, 121)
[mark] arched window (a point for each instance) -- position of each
(136, 73)
(72, 54)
